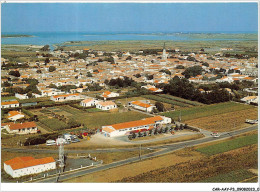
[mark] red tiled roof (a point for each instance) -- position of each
(106, 103)
(15, 126)
(141, 104)
(142, 122)
(9, 102)
(23, 162)
(57, 96)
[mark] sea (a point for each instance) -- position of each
(58, 38)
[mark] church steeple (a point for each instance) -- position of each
(164, 55)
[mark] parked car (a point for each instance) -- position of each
(50, 142)
(75, 140)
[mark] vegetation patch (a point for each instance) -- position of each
(54, 124)
(205, 167)
(206, 110)
(226, 121)
(229, 145)
(165, 100)
(174, 98)
(233, 176)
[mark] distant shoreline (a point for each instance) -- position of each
(15, 36)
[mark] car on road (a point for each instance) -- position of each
(250, 121)
(215, 134)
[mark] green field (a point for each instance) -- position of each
(165, 100)
(8, 98)
(229, 145)
(54, 124)
(206, 110)
(194, 103)
(230, 177)
(96, 120)
(91, 118)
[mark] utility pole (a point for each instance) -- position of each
(140, 152)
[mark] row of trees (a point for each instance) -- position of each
(125, 82)
(183, 88)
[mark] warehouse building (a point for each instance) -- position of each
(21, 166)
(122, 129)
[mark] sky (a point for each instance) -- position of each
(129, 17)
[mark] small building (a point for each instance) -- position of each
(108, 94)
(68, 97)
(249, 99)
(89, 102)
(122, 129)
(106, 105)
(9, 104)
(21, 96)
(21, 166)
(15, 115)
(22, 128)
(142, 106)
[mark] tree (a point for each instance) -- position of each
(205, 64)
(179, 67)
(166, 71)
(45, 48)
(159, 106)
(137, 75)
(38, 71)
(192, 71)
(129, 58)
(15, 73)
(47, 60)
(52, 68)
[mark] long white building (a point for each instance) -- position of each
(21, 166)
(121, 129)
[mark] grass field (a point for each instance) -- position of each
(166, 100)
(158, 44)
(207, 110)
(205, 167)
(194, 103)
(229, 145)
(230, 177)
(92, 118)
(226, 121)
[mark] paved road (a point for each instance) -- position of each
(165, 149)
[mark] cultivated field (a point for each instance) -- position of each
(226, 121)
(91, 118)
(216, 117)
(213, 168)
(212, 46)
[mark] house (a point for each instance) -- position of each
(9, 104)
(106, 105)
(21, 166)
(22, 128)
(15, 115)
(142, 106)
(122, 129)
(68, 97)
(152, 88)
(249, 99)
(21, 96)
(108, 94)
(89, 102)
